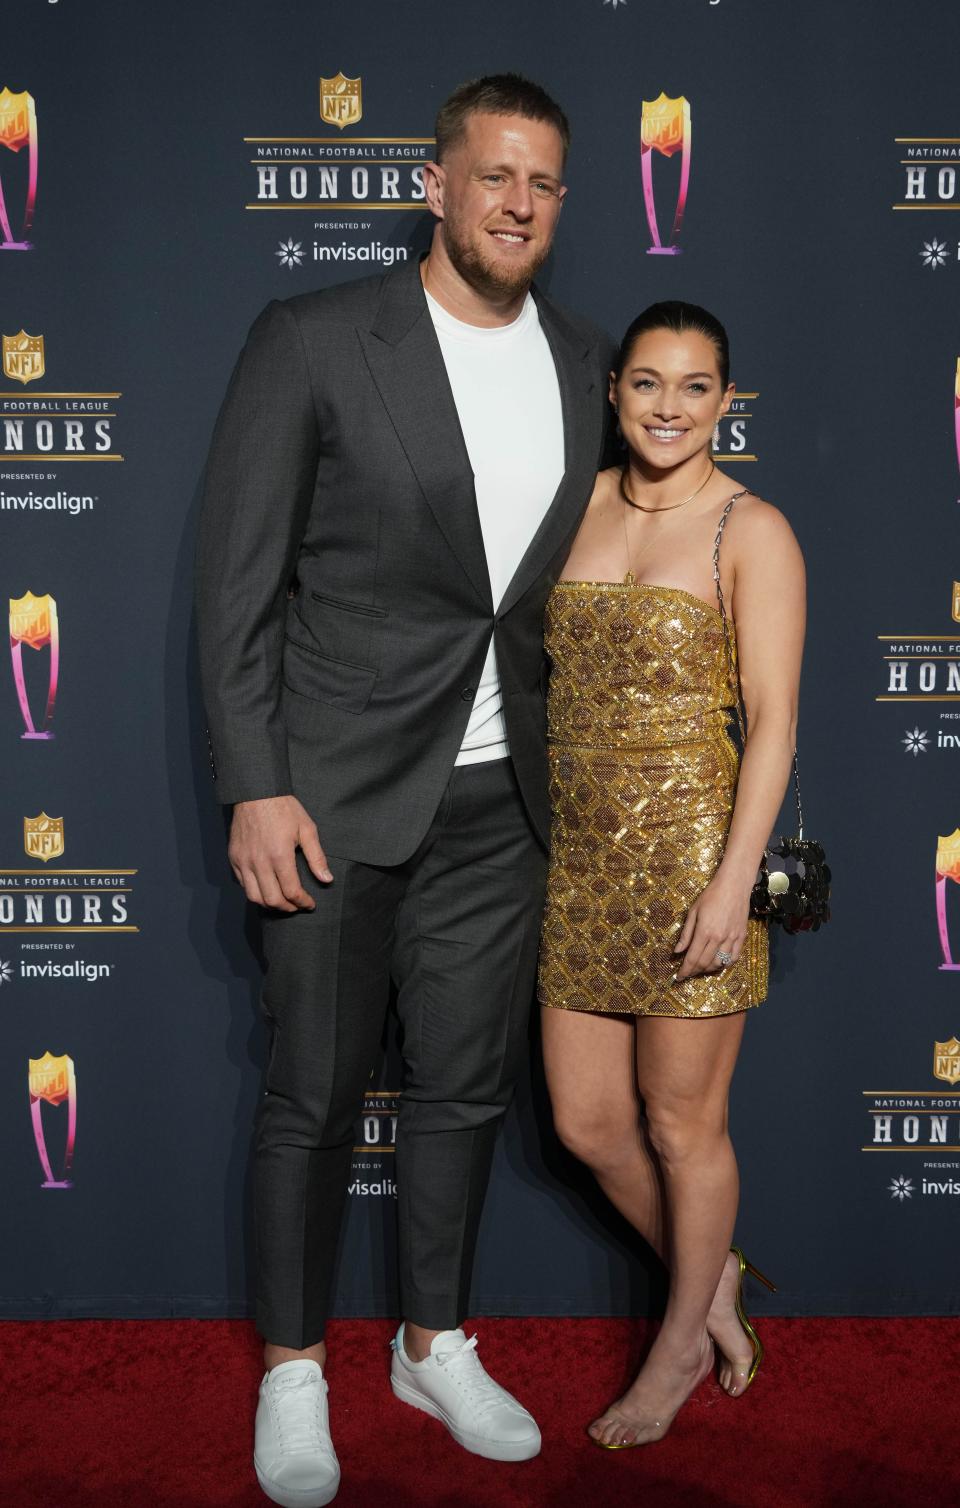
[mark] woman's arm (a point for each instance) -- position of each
(770, 614)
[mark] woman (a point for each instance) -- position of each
(649, 961)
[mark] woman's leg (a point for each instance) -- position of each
(592, 1077)
(684, 1070)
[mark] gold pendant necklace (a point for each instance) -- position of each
(629, 578)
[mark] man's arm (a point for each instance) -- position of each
(257, 493)
(612, 449)
(258, 488)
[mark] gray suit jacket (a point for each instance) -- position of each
(343, 601)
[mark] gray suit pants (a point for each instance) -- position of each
(456, 927)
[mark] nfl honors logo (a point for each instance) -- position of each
(341, 101)
(43, 837)
(946, 1061)
(664, 129)
(23, 357)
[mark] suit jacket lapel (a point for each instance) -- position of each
(404, 359)
(583, 418)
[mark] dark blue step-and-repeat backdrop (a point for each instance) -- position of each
(793, 166)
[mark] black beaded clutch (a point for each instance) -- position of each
(793, 882)
(792, 885)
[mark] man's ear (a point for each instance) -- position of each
(434, 181)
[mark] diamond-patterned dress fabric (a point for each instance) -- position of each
(642, 779)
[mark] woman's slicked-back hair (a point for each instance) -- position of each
(496, 94)
(675, 315)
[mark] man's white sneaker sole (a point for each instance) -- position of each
(478, 1445)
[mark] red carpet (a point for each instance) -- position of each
(844, 1413)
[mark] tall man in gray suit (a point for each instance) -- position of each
(396, 476)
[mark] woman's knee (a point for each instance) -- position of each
(679, 1128)
(594, 1134)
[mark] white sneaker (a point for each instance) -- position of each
(293, 1453)
(451, 1385)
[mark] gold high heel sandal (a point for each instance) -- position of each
(748, 1267)
(742, 1315)
(654, 1423)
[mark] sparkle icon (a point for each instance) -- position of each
(6, 972)
(915, 742)
(290, 253)
(934, 254)
(901, 1188)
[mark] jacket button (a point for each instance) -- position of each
(467, 694)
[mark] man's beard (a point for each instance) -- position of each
(489, 278)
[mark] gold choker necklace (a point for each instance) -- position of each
(642, 507)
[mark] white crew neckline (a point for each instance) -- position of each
(448, 324)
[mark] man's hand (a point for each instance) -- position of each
(264, 838)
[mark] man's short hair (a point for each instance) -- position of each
(496, 94)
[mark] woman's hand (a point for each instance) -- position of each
(716, 923)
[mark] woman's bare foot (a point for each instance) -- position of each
(648, 1408)
(733, 1345)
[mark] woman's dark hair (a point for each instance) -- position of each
(677, 316)
(497, 94)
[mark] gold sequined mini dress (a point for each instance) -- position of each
(642, 780)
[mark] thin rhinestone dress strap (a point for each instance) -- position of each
(734, 664)
(716, 547)
(731, 662)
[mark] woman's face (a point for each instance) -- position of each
(670, 396)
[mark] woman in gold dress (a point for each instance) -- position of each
(649, 961)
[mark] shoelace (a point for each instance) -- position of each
(466, 1369)
(298, 1421)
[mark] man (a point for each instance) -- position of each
(395, 478)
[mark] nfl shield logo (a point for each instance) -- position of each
(50, 1078)
(31, 619)
(662, 122)
(341, 101)
(948, 856)
(23, 357)
(15, 112)
(956, 602)
(946, 1061)
(43, 837)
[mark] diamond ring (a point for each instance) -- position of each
(723, 958)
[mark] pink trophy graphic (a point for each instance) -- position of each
(948, 868)
(664, 128)
(18, 128)
(54, 1080)
(33, 622)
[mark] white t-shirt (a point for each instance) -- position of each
(505, 388)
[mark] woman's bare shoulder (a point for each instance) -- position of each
(607, 479)
(755, 526)
(605, 487)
